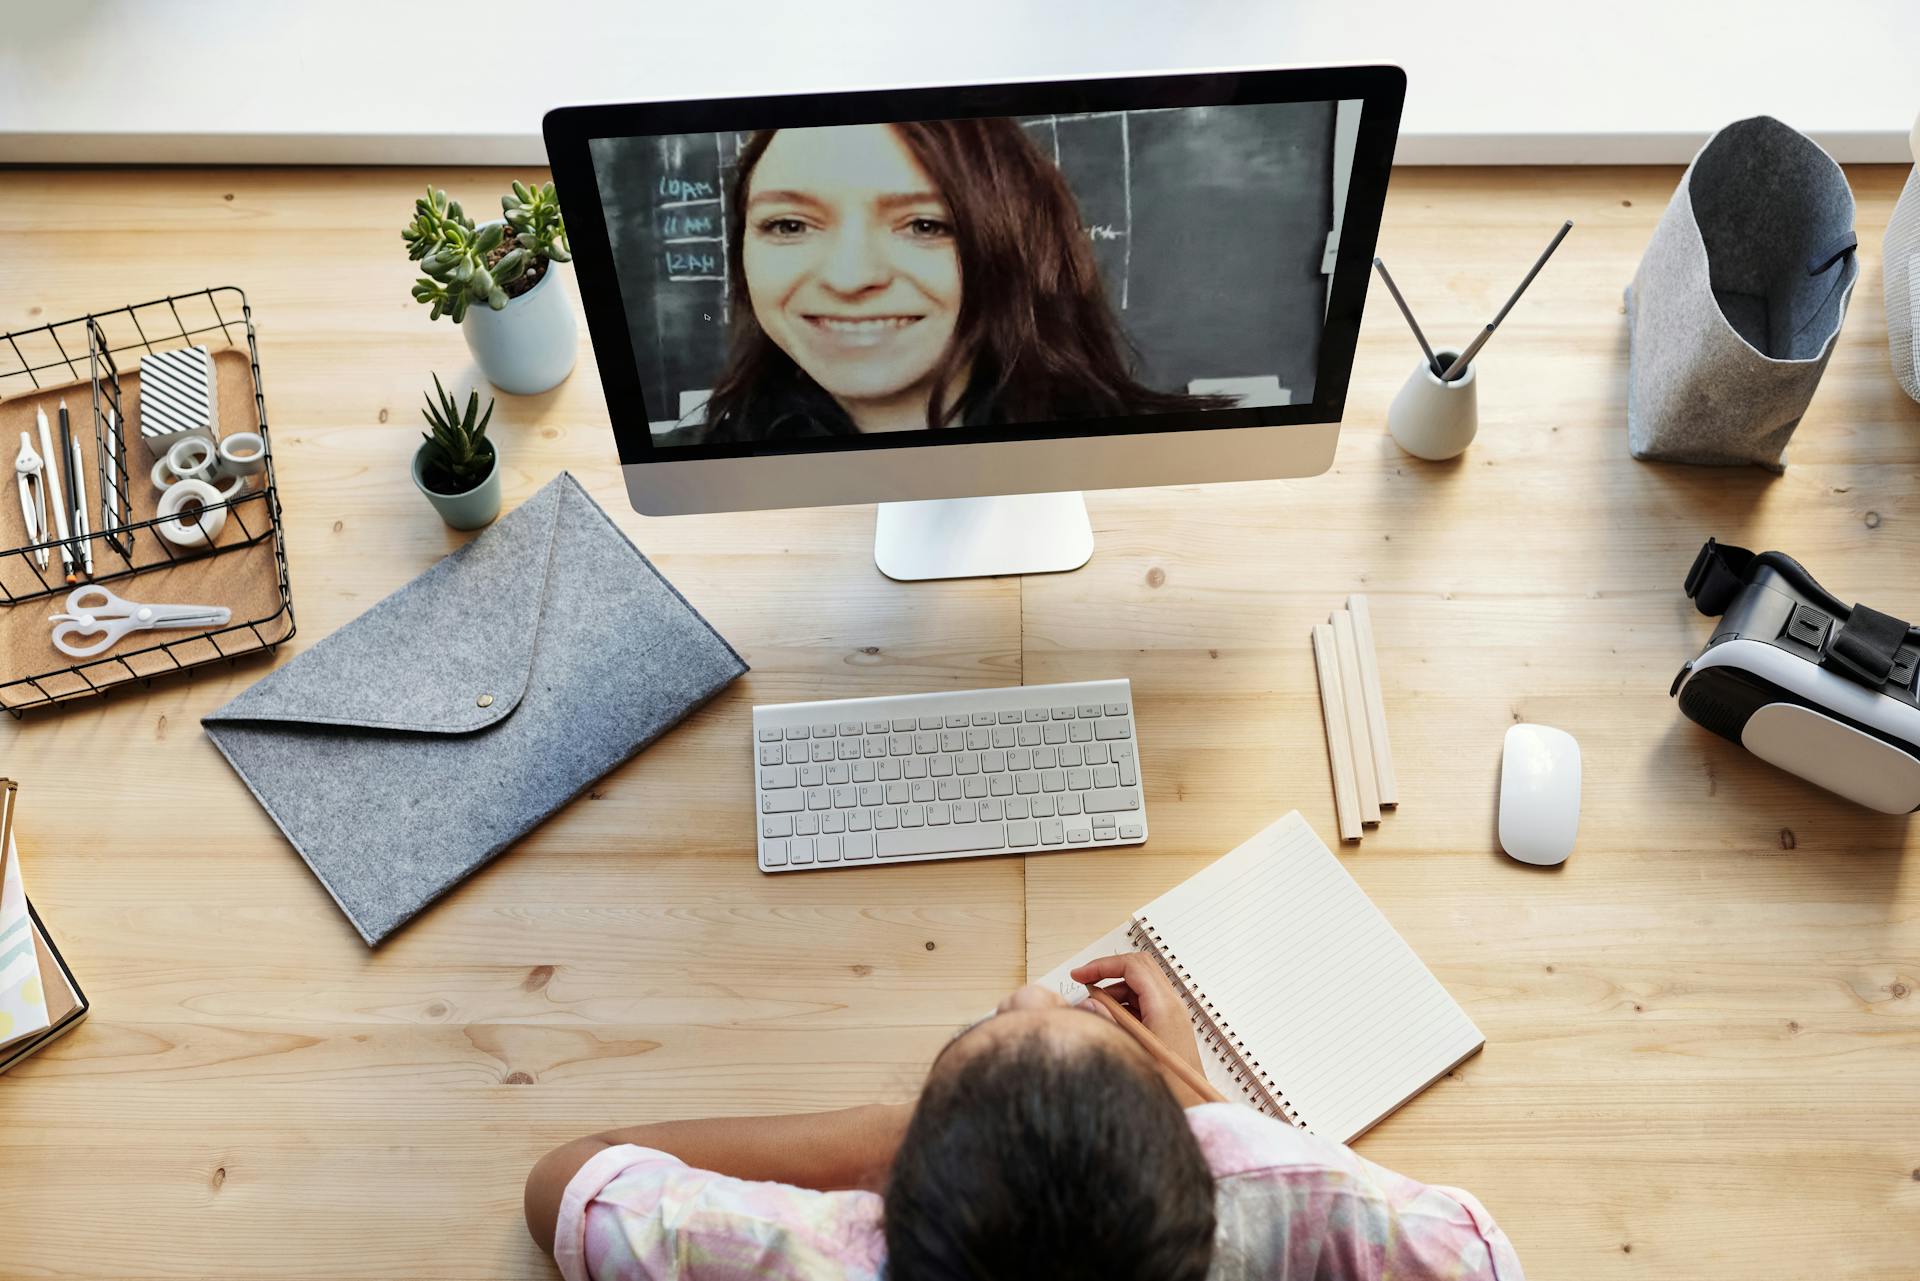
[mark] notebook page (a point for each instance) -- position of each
(1327, 998)
(1112, 943)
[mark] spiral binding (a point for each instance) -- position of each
(1215, 1031)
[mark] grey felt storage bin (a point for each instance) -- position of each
(1736, 305)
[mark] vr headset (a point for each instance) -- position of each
(1802, 681)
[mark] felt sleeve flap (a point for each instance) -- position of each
(449, 653)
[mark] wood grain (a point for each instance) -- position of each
(1702, 1030)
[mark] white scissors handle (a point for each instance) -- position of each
(93, 609)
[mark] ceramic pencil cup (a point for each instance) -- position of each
(1432, 419)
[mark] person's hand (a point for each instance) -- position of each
(1147, 995)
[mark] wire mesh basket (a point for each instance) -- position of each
(244, 562)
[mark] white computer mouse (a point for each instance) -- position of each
(1539, 794)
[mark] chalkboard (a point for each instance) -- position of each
(1209, 225)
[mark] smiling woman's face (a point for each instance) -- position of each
(850, 265)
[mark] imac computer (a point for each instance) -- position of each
(970, 303)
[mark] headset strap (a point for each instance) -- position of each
(1717, 576)
(1864, 646)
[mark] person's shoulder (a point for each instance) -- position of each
(1235, 1140)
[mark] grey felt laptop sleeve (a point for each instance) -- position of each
(419, 741)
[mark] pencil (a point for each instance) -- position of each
(1458, 368)
(1433, 362)
(1189, 1075)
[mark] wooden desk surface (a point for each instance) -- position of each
(1703, 1032)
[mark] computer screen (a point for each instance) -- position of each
(806, 287)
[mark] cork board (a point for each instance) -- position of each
(241, 573)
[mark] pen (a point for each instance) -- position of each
(1458, 368)
(69, 494)
(1189, 1075)
(1433, 362)
(81, 529)
(54, 491)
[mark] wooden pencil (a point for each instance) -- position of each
(1348, 654)
(1333, 708)
(1376, 701)
(1190, 1075)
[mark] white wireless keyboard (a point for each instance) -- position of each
(1027, 770)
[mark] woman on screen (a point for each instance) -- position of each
(900, 277)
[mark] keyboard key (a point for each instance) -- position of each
(1024, 833)
(849, 728)
(833, 822)
(967, 763)
(822, 750)
(863, 772)
(1118, 801)
(974, 837)
(827, 849)
(888, 770)
(947, 789)
(929, 722)
(770, 755)
(796, 752)
(922, 789)
(1068, 802)
(1087, 711)
(899, 793)
(1002, 736)
(1051, 832)
(1009, 718)
(806, 824)
(812, 775)
(991, 811)
(873, 747)
(876, 727)
(823, 731)
(1080, 732)
(1104, 822)
(1000, 785)
(783, 802)
(1129, 777)
(963, 812)
(953, 740)
(899, 744)
(914, 767)
(796, 732)
(1096, 753)
(768, 735)
(1046, 757)
(872, 794)
(1043, 807)
(1029, 736)
(777, 825)
(1056, 732)
(1115, 709)
(956, 722)
(982, 718)
(819, 798)
(942, 766)
(1079, 831)
(885, 820)
(773, 854)
(975, 787)
(859, 821)
(779, 776)
(839, 772)
(1070, 755)
(993, 762)
(1063, 713)
(1053, 780)
(978, 740)
(939, 813)
(856, 847)
(1132, 832)
(1106, 776)
(844, 797)
(1036, 714)
(904, 724)
(1026, 784)
(846, 749)
(1079, 779)
(1112, 727)
(1019, 759)
(801, 849)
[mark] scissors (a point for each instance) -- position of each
(93, 609)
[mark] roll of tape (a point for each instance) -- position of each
(194, 527)
(242, 454)
(188, 459)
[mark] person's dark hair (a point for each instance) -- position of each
(1034, 321)
(1066, 1163)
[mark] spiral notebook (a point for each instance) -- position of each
(1308, 1004)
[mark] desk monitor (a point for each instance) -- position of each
(970, 303)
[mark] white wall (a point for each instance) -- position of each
(1491, 81)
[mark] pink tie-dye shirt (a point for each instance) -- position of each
(1291, 1207)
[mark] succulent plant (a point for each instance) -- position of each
(458, 453)
(464, 263)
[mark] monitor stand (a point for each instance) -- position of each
(981, 537)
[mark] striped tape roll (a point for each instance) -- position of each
(176, 392)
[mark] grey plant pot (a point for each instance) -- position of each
(529, 345)
(477, 507)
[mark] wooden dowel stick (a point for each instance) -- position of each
(1346, 795)
(1362, 742)
(1376, 701)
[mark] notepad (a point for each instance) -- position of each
(1307, 1003)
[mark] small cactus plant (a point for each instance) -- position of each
(457, 455)
(465, 264)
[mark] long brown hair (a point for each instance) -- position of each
(1034, 326)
